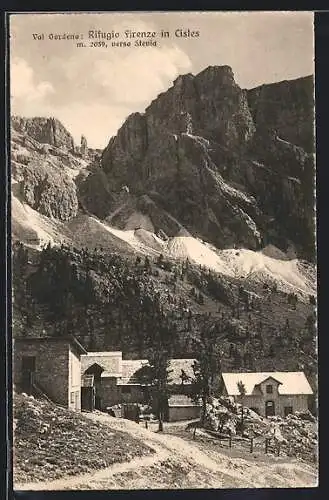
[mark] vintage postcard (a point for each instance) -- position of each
(163, 249)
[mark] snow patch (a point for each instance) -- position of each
(267, 265)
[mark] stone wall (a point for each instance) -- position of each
(298, 402)
(51, 366)
(108, 392)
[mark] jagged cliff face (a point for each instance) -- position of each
(207, 159)
(43, 176)
(288, 108)
(44, 130)
(232, 166)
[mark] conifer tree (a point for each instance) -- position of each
(242, 393)
(159, 361)
(207, 366)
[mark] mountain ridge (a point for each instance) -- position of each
(184, 219)
(171, 182)
(202, 133)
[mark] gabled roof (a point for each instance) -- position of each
(289, 382)
(126, 370)
(130, 369)
(271, 378)
(109, 361)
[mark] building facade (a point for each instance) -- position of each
(50, 366)
(269, 393)
(120, 381)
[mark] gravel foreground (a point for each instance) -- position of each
(176, 464)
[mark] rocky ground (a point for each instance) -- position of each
(295, 435)
(178, 461)
(52, 442)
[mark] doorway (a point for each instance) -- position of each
(96, 370)
(28, 370)
(269, 409)
(288, 410)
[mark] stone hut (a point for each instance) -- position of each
(49, 366)
(270, 393)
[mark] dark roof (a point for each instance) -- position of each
(67, 339)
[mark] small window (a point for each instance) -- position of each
(28, 363)
(125, 389)
(288, 410)
(269, 389)
(72, 400)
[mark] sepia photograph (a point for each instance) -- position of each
(163, 229)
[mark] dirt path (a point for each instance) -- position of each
(178, 463)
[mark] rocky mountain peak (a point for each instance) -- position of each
(209, 104)
(44, 130)
(221, 74)
(229, 164)
(181, 79)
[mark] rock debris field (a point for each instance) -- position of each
(56, 449)
(52, 442)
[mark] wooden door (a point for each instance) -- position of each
(269, 409)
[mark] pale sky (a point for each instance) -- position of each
(93, 90)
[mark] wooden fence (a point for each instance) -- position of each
(267, 444)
